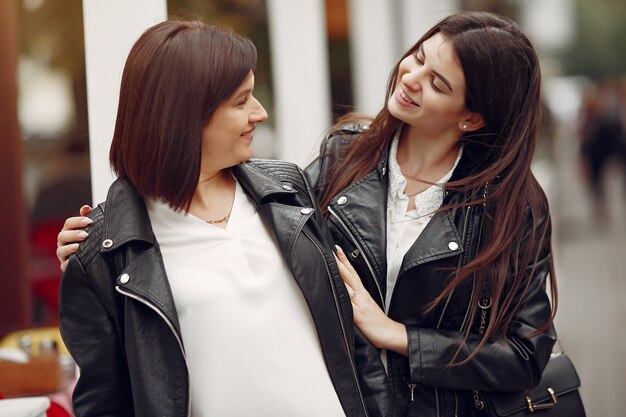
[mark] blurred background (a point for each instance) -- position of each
(47, 170)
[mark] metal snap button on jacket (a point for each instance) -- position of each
(107, 243)
(453, 245)
(124, 278)
(342, 200)
(306, 210)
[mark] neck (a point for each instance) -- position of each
(427, 158)
(214, 195)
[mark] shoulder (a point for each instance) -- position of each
(332, 149)
(279, 170)
(274, 167)
(341, 136)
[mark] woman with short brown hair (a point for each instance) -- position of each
(206, 286)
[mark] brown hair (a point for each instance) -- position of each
(176, 75)
(503, 80)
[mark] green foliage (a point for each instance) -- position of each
(599, 48)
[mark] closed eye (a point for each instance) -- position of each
(432, 82)
(417, 58)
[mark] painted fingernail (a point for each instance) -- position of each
(86, 221)
(82, 234)
(339, 250)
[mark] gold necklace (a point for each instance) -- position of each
(222, 220)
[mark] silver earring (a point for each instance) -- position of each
(464, 126)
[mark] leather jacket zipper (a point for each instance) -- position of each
(171, 326)
(343, 329)
(356, 243)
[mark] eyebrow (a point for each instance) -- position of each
(441, 77)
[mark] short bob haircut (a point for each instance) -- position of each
(176, 75)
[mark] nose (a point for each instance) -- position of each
(413, 78)
(258, 114)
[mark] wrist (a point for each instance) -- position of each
(394, 338)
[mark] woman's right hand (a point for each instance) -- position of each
(67, 241)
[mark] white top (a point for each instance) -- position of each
(404, 227)
(24, 407)
(250, 340)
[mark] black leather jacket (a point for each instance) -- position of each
(422, 383)
(119, 322)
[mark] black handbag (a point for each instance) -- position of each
(555, 396)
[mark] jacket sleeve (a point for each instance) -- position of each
(512, 363)
(89, 332)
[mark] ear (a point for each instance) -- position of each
(471, 122)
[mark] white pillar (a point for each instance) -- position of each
(420, 15)
(374, 37)
(111, 28)
(551, 24)
(300, 76)
(380, 32)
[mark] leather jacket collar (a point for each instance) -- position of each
(130, 222)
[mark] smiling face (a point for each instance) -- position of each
(430, 89)
(227, 138)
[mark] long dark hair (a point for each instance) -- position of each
(503, 83)
(176, 75)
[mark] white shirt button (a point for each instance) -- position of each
(107, 243)
(342, 200)
(306, 211)
(287, 187)
(124, 278)
(453, 245)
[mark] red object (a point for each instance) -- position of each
(56, 410)
(44, 271)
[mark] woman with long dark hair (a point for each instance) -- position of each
(445, 231)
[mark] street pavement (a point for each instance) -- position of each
(590, 258)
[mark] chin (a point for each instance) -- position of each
(246, 155)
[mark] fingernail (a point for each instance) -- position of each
(82, 234)
(339, 250)
(73, 245)
(86, 221)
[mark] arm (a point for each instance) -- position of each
(90, 334)
(510, 364)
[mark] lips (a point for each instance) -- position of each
(248, 132)
(403, 98)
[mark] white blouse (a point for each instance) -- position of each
(404, 227)
(250, 340)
